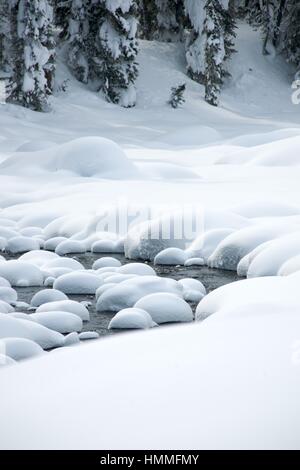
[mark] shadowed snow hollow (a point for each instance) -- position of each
(86, 156)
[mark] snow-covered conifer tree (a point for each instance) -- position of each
(210, 44)
(78, 59)
(116, 47)
(62, 13)
(195, 51)
(214, 50)
(147, 14)
(33, 52)
(5, 42)
(291, 32)
(170, 15)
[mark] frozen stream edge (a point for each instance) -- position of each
(211, 278)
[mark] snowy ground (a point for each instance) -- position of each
(237, 166)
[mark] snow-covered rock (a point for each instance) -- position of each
(193, 290)
(194, 262)
(38, 257)
(21, 274)
(52, 243)
(71, 339)
(3, 245)
(69, 263)
(5, 307)
(270, 289)
(106, 262)
(132, 318)
(4, 282)
(291, 266)
(78, 283)
(8, 233)
(140, 269)
(116, 278)
(107, 246)
(171, 257)
(63, 322)
(32, 232)
(103, 288)
(165, 308)
(144, 241)
(269, 261)
(8, 294)
(206, 243)
(21, 244)
(87, 335)
(234, 247)
(126, 294)
(20, 348)
(71, 306)
(6, 360)
(243, 266)
(70, 246)
(20, 328)
(47, 295)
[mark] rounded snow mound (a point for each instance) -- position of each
(22, 244)
(47, 295)
(106, 262)
(132, 318)
(165, 308)
(86, 157)
(127, 293)
(70, 306)
(20, 348)
(78, 283)
(19, 328)
(62, 322)
(171, 257)
(21, 274)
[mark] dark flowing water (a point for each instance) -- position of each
(211, 278)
